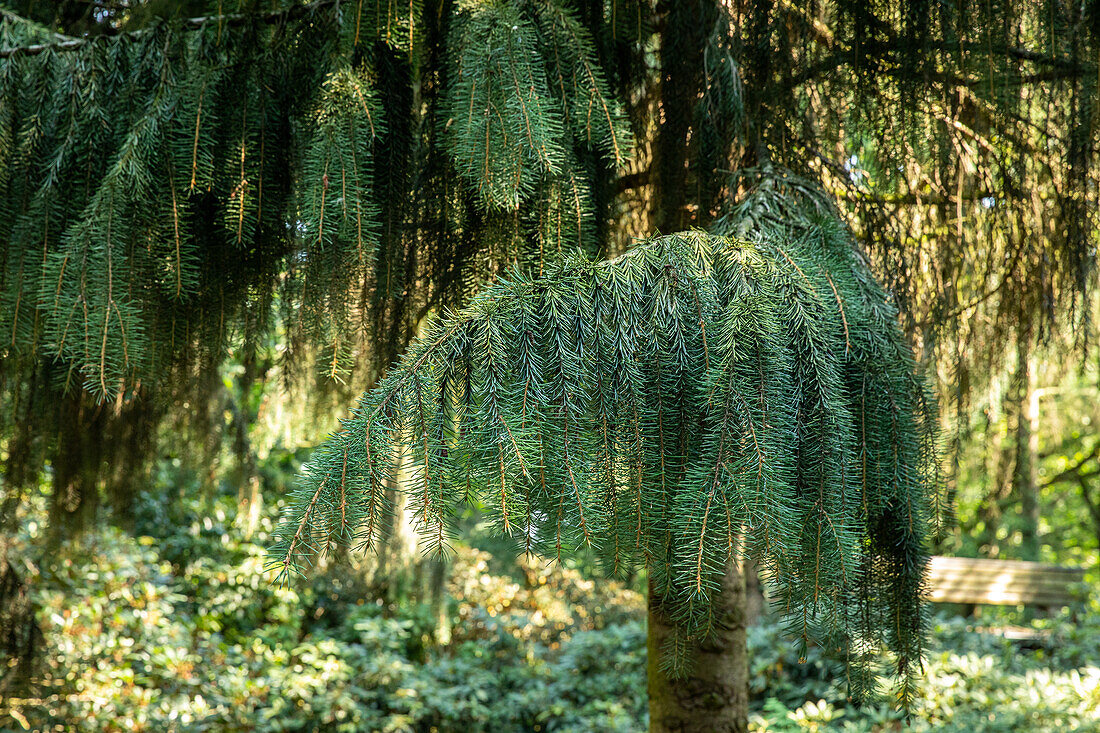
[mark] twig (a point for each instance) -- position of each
(75, 44)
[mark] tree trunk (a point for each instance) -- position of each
(129, 452)
(756, 603)
(20, 637)
(101, 455)
(996, 478)
(249, 497)
(74, 502)
(1025, 478)
(687, 24)
(713, 696)
(1093, 505)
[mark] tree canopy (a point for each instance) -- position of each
(179, 181)
(169, 181)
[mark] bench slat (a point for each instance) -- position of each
(1014, 574)
(1063, 578)
(963, 583)
(998, 598)
(979, 565)
(1000, 582)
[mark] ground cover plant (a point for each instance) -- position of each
(186, 633)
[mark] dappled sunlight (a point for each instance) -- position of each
(140, 644)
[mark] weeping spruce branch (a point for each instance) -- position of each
(697, 399)
(155, 182)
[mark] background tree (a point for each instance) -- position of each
(180, 179)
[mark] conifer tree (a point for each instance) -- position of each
(699, 399)
(180, 179)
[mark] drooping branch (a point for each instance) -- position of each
(711, 411)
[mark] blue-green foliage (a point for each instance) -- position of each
(699, 397)
(529, 97)
(501, 102)
(161, 188)
(337, 215)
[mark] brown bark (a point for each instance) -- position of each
(100, 456)
(687, 23)
(249, 497)
(77, 464)
(713, 695)
(1093, 505)
(1025, 478)
(20, 637)
(756, 604)
(129, 449)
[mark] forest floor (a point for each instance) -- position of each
(180, 629)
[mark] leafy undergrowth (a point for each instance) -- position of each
(186, 633)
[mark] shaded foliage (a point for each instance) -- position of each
(196, 637)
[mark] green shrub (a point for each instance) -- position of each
(186, 633)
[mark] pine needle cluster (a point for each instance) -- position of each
(144, 189)
(698, 400)
(528, 92)
(155, 185)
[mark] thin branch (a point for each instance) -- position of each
(282, 16)
(1074, 472)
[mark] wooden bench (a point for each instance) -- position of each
(981, 582)
(978, 582)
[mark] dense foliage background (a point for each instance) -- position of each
(959, 141)
(177, 628)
